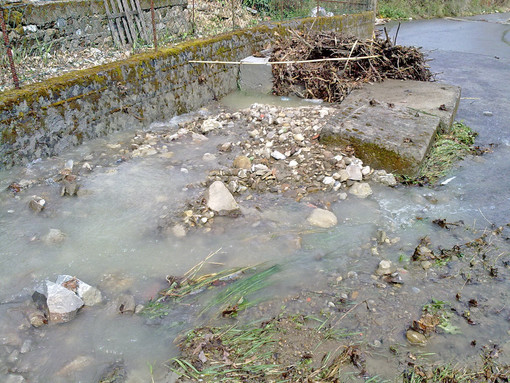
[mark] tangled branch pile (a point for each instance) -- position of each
(331, 80)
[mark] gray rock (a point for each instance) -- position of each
(90, 295)
(54, 236)
(220, 200)
(361, 190)
(322, 218)
(328, 181)
(26, 347)
(384, 178)
(354, 171)
(37, 204)
(62, 304)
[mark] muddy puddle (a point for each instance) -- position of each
(111, 238)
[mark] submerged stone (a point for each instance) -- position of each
(322, 218)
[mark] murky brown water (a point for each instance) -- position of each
(112, 242)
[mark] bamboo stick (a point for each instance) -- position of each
(284, 62)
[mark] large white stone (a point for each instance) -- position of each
(63, 304)
(220, 200)
(322, 218)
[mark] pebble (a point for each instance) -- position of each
(208, 157)
(242, 162)
(293, 164)
(277, 155)
(487, 114)
(416, 338)
(426, 265)
(37, 204)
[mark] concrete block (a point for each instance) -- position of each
(256, 78)
(435, 98)
(393, 138)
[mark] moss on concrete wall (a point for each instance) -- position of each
(45, 118)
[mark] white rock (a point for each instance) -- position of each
(277, 155)
(210, 124)
(365, 170)
(322, 218)
(328, 181)
(299, 137)
(293, 164)
(354, 171)
(220, 200)
(361, 190)
(384, 267)
(208, 157)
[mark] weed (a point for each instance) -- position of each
(449, 148)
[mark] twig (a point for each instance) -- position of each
(285, 62)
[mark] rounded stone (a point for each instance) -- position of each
(322, 218)
(242, 162)
(416, 338)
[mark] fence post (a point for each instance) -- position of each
(233, 15)
(193, 17)
(9, 51)
(154, 34)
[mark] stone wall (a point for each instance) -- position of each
(71, 23)
(46, 118)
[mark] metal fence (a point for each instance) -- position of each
(236, 14)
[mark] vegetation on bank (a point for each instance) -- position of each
(449, 147)
(404, 9)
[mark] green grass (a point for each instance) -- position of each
(449, 148)
(403, 9)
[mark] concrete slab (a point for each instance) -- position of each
(428, 97)
(393, 138)
(256, 78)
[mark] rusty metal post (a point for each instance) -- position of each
(233, 15)
(318, 7)
(193, 16)
(154, 35)
(9, 51)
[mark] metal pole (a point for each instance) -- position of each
(233, 15)
(154, 35)
(193, 16)
(9, 51)
(318, 7)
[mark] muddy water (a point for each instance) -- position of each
(112, 242)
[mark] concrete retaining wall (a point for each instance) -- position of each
(44, 119)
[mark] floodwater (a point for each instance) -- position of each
(112, 240)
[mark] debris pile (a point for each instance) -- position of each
(332, 80)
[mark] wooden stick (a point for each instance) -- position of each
(284, 62)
